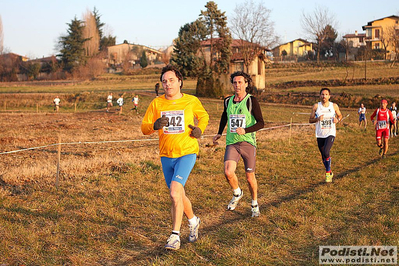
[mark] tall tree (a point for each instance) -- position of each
(72, 50)
(314, 24)
(1, 37)
(91, 34)
(219, 38)
(187, 53)
(143, 60)
(251, 24)
(393, 35)
(328, 46)
(203, 50)
(105, 39)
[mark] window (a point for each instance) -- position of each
(377, 46)
(377, 34)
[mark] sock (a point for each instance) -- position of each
(327, 164)
(237, 191)
(176, 233)
(254, 203)
(193, 220)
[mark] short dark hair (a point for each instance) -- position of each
(247, 77)
(325, 89)
(174, 69)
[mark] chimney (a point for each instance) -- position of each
(355, 32)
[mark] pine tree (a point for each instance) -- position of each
(105, 41)
(218, 33)
(185, 53)
(193, 61)
(72, 51)
(143, 60)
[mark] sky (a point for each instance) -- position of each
(32, 28)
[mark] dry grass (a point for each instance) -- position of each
(112, 206)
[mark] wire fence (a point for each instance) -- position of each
(132, 140)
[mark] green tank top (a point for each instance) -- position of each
(238, 115)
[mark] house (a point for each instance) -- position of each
(381, 32)
(355, 40)
(353, 43)
(294, 49)
(126, 52)
(13, 57)
(256, 58)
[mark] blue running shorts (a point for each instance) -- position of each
(178, 169)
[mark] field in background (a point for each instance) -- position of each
(112, 206)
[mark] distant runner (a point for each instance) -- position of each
(120, 103)
(362, 116)
(325, 114)
(384, 116)
(109, 101)
(135, 101)
(393, 126)
(56, 102)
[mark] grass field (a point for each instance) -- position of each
(112, 205)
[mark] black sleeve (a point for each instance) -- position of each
(223, 119)
(257, 113)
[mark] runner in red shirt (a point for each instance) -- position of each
(381, 124)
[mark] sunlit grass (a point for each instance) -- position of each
(112, 206)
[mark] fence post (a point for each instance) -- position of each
(57, 178)
(5, 106)
(289, 139)
(75, 105)
(37, 108)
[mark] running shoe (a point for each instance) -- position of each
(381, 151)
(329, 177)
(255, 211)
(234, 201)
(194, 231)
(173, 242)
(383, 156)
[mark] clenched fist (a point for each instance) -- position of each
(161, 122)
(195, 131)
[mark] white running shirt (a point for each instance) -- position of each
(325, 127)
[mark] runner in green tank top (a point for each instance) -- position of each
(243, 117)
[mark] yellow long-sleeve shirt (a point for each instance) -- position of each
(175, 140)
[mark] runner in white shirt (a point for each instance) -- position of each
(109, 101)
(362, 115)
(120, 103)
(56, 102)
(394, 111)
(135, 101)
(325, 114)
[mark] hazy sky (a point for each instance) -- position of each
(33, 27)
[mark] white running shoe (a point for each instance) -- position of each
(255, 211)
(194, 231)
(234, 201)
(173, 242)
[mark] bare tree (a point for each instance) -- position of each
(393, 35)
(314, 25)
(90, 32)
(1, 37)
(251, 24)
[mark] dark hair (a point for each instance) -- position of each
(247, 77)
(325, 89)
(174, 70)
